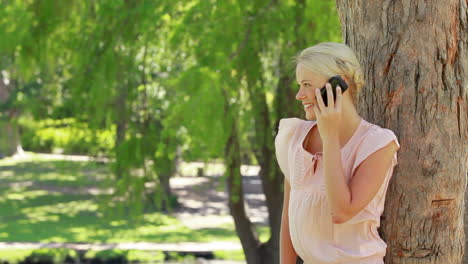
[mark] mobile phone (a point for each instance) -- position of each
(334, 81)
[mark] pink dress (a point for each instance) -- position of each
(316, 239)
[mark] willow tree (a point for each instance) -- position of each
(118, 84)
(96, 59)
(27, 56)
(247, 46)
(416, 58)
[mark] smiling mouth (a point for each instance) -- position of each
(308, 106)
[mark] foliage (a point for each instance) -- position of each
(67, 135)
(171, 80)
(47, 255)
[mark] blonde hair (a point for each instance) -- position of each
(329, 59)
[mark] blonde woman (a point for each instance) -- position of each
(337, 166)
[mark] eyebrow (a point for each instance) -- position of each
(305, 80)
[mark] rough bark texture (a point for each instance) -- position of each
(465, 258)
(414, 55)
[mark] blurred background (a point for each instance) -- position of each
(143, 131)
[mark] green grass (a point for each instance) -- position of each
(237, 255)
(53, 172)
(14, 255)
(28, 213)
(130, 255)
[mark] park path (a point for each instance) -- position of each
(204, 199)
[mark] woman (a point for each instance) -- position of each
(337, 166)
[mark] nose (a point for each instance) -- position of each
(300, 95)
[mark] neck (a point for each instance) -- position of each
(349, 123)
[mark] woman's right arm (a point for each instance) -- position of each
(287, 253)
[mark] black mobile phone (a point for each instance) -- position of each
(334, 81)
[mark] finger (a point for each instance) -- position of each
(339, 98)
(331, 102)
(320, 102)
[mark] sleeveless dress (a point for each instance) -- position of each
(315, 238)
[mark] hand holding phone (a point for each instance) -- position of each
(334, 81)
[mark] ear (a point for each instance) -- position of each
(345, 79)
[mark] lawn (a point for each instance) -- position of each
(47, 200)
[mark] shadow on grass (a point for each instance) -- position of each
(54, 172)
(73, 218)
(32, 214)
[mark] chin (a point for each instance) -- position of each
(309, 117)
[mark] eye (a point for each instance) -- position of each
(299, 86)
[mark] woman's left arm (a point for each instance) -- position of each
(346, 200)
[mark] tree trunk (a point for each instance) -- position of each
(120, 108)
(414, 55)
(269, 173)
(465, 258)
(10, 143)
(10, 140)
(244, 228)
(285, 99)
(166, 171)
(271, 176)
(255, 251)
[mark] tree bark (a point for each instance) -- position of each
(415, 61)
(269, 173)
(10, 143)
(244, 228)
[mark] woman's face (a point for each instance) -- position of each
(307, 82)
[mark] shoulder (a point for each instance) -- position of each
(287, 127)
(377, 140)
(377, 136)
(286, 130)
(289, 123)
